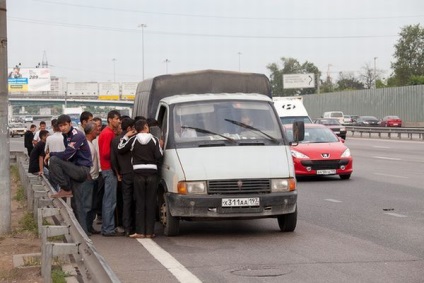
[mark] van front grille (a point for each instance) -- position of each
(239, 186)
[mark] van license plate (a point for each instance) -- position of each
(240, 202)
(326, 172)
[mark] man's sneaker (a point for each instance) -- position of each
(120, 229)
(94, 231)
(99, 219)
(113, 234)
(62, 194)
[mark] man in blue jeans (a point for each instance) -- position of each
(109, 176)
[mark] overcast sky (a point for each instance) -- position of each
(81, 38)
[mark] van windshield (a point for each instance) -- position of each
(226, 121)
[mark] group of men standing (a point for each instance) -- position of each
(92, 163)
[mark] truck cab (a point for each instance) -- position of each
(291, 109)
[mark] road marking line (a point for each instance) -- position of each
(395, 214)
(385, 147)
(387, 158)
(332, 200)
(388, 175)
(168, 261)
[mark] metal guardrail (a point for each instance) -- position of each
(91, 264)
(387, 132)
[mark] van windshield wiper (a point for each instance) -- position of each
(243, 125)
(203, 131)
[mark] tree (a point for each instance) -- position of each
(416, 80)
(369, 76)
(409, 54)
(347, 81)
(290, 66)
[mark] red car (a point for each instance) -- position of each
(320, 153)
(391, 121)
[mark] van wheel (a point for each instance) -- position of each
(287, 222)
(345, 177)
(171, 225)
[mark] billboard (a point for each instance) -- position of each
(82, 89)
(299, 81)
(28, 80)
(128, 91)
(109, 91)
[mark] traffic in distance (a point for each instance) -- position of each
(365, 121)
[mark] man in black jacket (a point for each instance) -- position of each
(28, 137)
(146, 155)
(121, 163)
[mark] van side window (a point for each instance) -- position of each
(163, 122)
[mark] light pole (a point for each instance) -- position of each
(239, 55)
(114, 60)
(375, 72)
(166, 65)
(142, 26)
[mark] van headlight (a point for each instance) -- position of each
(283, 185)
(198, 187)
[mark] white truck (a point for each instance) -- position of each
(74, 113)
(291, 109)
(235, 163)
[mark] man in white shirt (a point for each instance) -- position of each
(36, 138)
(54, 142)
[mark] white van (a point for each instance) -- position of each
(334, 114)
(291, 109)
(236, 162)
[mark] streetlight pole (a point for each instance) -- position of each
(375, 72)
(5, 202)
(166, 64)
(114, 60)
(239, 55)
(142, 26)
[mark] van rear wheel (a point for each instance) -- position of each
(171, 225)
(287, 222)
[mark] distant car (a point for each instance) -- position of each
(391, 121)
(335, 115)
(367, 121)
(320, 153)
(17, 129)
(29, 119)
(334, 125)
(347, 120)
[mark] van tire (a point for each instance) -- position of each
(171, 225)
(287, 222)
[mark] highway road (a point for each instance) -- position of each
(366, 229)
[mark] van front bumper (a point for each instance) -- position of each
(210, 206)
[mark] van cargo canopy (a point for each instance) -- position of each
(151, 91)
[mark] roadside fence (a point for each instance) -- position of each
(387, 132)
(73, 241)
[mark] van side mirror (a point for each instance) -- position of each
(298, 131)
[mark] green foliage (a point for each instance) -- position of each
(20, 194)
(290, 66)
(28, 223)
(14, 177)
(347, 81)
(58, 276)
(409, 55)
(416, 80)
